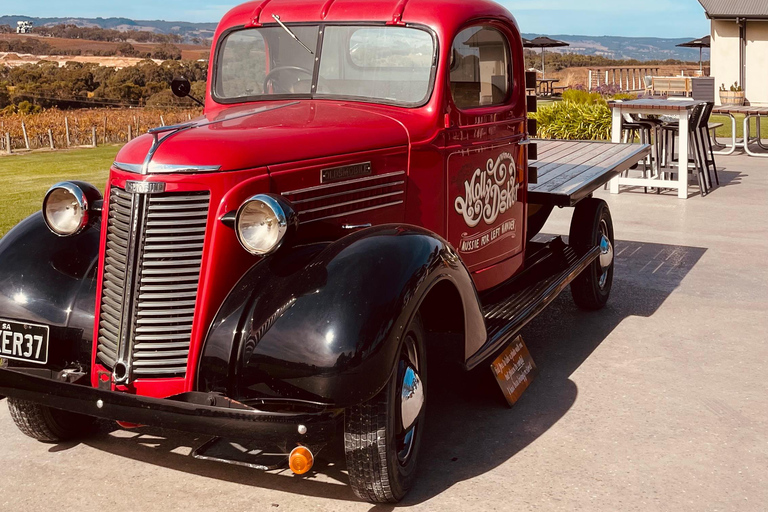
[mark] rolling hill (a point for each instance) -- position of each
(640, 48)
(614, 47)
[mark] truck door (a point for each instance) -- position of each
(485, 163)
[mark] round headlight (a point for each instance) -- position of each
(261, 224)
(65, 209)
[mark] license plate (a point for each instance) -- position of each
(23, 342)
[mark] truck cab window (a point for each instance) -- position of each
(480, 64)
(265, 61)
(391, 64)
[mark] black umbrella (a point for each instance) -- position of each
(544, 42)
(700, 43)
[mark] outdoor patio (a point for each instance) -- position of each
(656, 403)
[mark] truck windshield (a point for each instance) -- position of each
(380, 64)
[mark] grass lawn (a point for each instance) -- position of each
(24, 179)
(725, 130)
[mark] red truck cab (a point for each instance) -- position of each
(270, 271)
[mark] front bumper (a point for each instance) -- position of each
(200, 413)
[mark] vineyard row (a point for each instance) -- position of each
(58, 129)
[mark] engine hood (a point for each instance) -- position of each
(256, 136)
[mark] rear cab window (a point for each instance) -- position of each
(480, 68)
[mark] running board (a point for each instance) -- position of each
(509, 307)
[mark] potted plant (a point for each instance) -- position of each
(733, 96)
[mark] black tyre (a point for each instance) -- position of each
(382, 436)
(592, 226)
(49, 425)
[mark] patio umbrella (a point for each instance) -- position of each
(544, 42)
(700, 43)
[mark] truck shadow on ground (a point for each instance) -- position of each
(469, 429)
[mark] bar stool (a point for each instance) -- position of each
(671, 130)
(705, 143)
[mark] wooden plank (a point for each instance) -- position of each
(580, 172)
(551, 160)
(586, 152)
(609, 168)
(569, 153)
(546, 145)
(554, 150)
(567, 170)
(752, 109)
(654, 104)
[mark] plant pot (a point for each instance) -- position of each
(732, 98)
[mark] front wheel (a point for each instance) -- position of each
(592, 226)
(49, 425)
(382, 436)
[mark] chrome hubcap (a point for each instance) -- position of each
(411, 396)
(606, 253)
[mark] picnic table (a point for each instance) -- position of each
(672, 108)
(546, 85)
(567, 171)
(749, 113)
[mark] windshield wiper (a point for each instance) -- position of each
(290, 33)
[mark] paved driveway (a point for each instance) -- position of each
(657, 402)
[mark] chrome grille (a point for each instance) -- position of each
(113, 281)
(169, 272)
(336, 200)
(150, 304)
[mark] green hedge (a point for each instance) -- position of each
(574, 121)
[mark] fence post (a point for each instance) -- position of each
(66, 129)
(8, 143)
(130, 135)
(105, 129)
(93, 136)
(50, 138)
(26, 138)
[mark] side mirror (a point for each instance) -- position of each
(181, 87)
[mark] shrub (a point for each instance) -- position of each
(574, 121)
(583, 97)
(624, 96)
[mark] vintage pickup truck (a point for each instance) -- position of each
(359, 182)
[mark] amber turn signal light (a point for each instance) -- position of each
(301, 459)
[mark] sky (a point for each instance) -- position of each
(654, 18)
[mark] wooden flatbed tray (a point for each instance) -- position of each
(570, 170)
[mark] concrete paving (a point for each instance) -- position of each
(657, 402)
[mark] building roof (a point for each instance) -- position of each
(735, 8)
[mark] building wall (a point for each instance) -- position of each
(725, 58)
(724, 53)
(757, 62)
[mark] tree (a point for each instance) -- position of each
(125, 50)
(166, 52)
(5, 98)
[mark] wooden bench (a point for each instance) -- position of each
(673, 86)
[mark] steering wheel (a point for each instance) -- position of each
(270, 76)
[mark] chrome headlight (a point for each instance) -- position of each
(66, 208)
(261, 224)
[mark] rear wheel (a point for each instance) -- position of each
(382, 436)
(49, 425)
(592, 226)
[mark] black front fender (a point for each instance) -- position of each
(323, 322)
(51, 280)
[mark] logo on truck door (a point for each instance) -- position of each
(489, 194)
